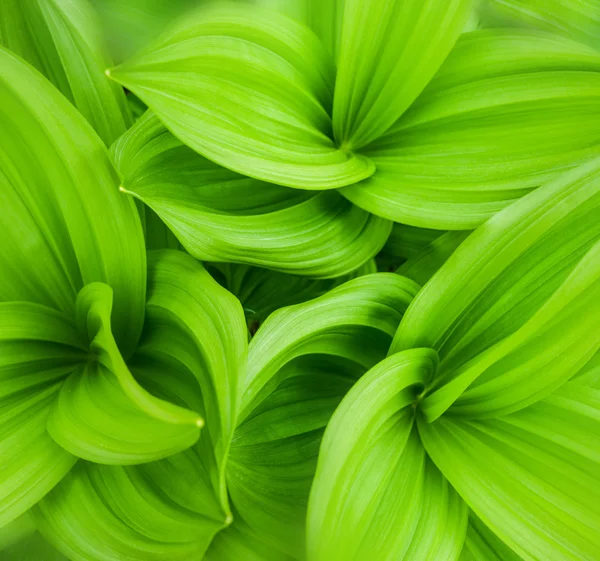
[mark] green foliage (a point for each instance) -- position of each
(198, 357)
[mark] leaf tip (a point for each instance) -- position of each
(199, 422)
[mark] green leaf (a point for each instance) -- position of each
(62, 39)
(533, 476)
(239, 542)
(513, 312)
(109, 513)
(102, 414)
(55, 177)
(39, 347)
(423, 265)
(589, 375)
(220, 215)
(262, 291)
(274, 83)
(495, 122)
(301, 363)
(375, 493)
(482, 544)
(196, 332)
(388, 53)
(578, 19)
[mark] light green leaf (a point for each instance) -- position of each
(39, 347)
(482, 544)
(578, 19)
(496, 122)
(513, 312)
(302, 361)
(102, 414)
(110, 513)
(196, 332)
(63, 40)
(375, 493)
(220, 215)
(55, 177)
(388, 52)
(274, 83)
(589, 375)
(533, 476)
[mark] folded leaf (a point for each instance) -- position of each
(63, 40)
(513, 313)
(220, 215)
(250, 89)
(388, 52)
(193, 352)
(55, 176)
(532, 477)
(375, 494)
(508, 111)
(301, 362)
(101, 513)
(39, 347)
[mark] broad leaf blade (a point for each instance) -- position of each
(220, 215)
(108, 512)
(62, 39)
(532, 476)
(375, 493)
(508, 111)
(55, 178)
(273, 82)
(388, 52)
(513, 311)
(302, 361)
(39, 347)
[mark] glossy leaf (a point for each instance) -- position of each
(55, 176)
(301, 362)
(388, 53)
(532, 476)
(63, 40)
(513, 312)
(220, 215)
(274, 83)
(375, 493)
(508, 111)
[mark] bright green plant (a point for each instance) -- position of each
(284, 401)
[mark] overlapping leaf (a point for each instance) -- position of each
(62, 39)
(513, 313)
(220, 215)
(454, 158)
(388, 52)
(274, 82)
(533, 476)
(302, 361)
(375, 494)
(55, 176)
